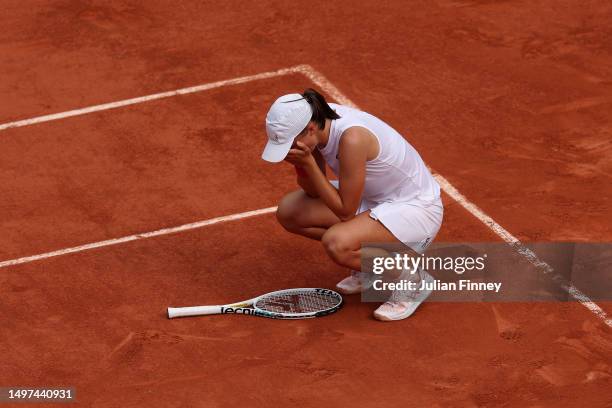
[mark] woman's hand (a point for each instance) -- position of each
(301, 156)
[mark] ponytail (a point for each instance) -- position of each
(320, 109)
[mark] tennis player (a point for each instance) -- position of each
(384, 192)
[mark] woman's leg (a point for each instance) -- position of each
(343, 244)
(303, 215)
(342, 241)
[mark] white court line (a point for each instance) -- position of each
(147, 98)
(323, 83)
(135, 237)
(522, 249)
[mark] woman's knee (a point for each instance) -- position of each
(288, 210)
(337, 244)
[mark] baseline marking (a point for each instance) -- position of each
(329, 88)
(135, 237)
(147, 98)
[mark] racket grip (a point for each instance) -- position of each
(192, 311)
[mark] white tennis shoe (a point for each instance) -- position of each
(403, 303)
(357, 282)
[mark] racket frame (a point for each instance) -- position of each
(246, 307)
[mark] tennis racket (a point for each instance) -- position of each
(302, 303)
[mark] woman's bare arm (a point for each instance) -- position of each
(303, 179)
(353, 154)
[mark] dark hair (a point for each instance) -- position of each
(320, 109)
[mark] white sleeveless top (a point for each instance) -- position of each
(397, 174)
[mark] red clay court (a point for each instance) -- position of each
(130, 143)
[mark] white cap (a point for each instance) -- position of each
(287, 117)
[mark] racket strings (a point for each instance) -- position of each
(297, 302)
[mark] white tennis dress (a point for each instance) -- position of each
(399, 189)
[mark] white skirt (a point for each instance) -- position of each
(415, 223)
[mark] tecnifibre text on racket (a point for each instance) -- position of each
(300, 303)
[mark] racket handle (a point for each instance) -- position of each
(192, 311)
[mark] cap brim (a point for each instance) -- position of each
(275, 153)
